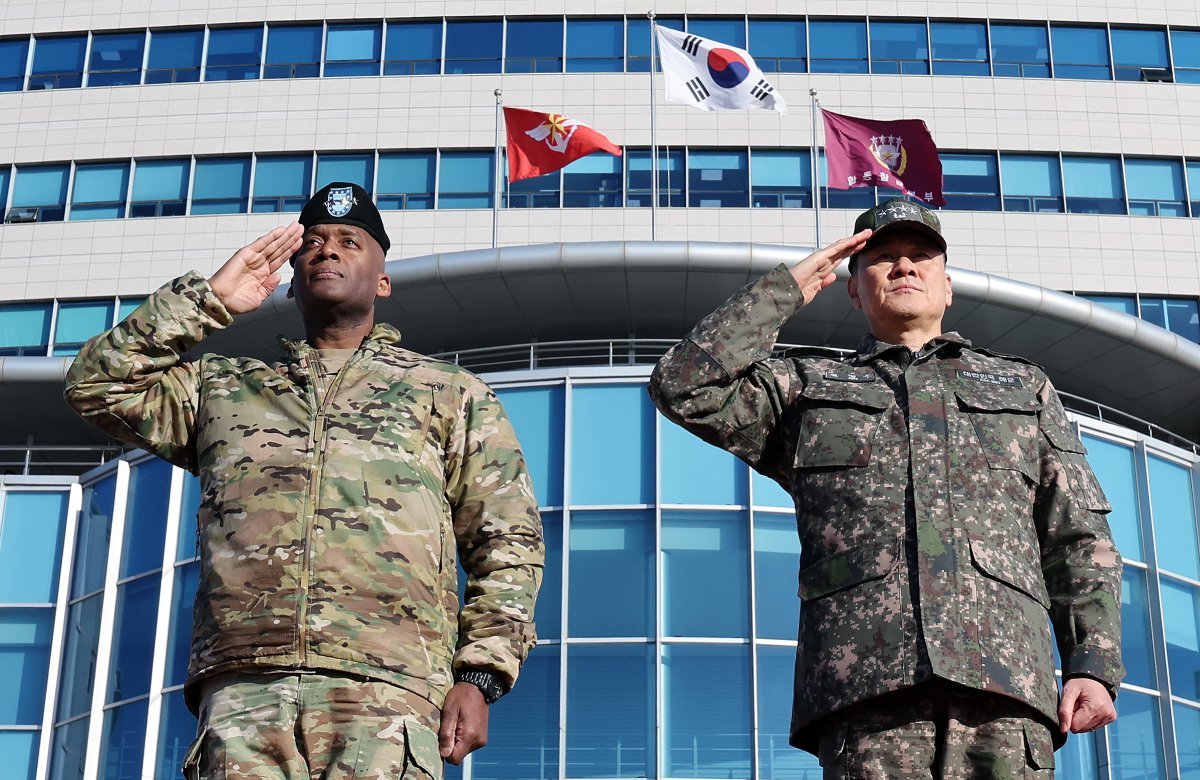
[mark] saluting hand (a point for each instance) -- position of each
(816, 272)
(252, 274)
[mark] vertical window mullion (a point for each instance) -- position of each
(145, 58)
(85, 77)
(1049, 50)
(203, 70)
(29, 62)
(568, 435)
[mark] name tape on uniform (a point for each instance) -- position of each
(1003, 380)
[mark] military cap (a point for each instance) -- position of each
(899, 213)
(343, 203)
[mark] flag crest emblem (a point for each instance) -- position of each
(556, 132)
(727, 68)
(890, 151)
(339, 201)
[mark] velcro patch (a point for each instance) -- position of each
(1003, 380)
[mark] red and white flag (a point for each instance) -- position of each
(899, 153)
(540, 143)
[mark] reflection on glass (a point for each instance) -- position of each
(776, 567)
(1114, 466)
(406, 180)
(1077, 759)
(188, 542)
(767, 492)
(684, 457)
(523, 730)
(1093, 185)
(24, 664)
(776, 758)
(1080, 52)
(1187, 741)
(473, 46)
(705, 576)
(536, 414)
(1135, 740)
(31, 536)
(1181, 617)
(1155, 187)
(1173, 509)
(124, 741)
(549, 602)
(959, 48)
(612, 445)
(595, 45)
(133, 642)
(602, 543)
(837, 47)
(68, 749)
(177, 730)
(778, 45)
(780, 178)
(534, 46)
(718, 179)
(187, 579)
(1020, 50)
(899, 47)
(146, 517)
(174, 56)
(729, 31)
(610, 727)
(466, 180)
(970, 181)
(1178, 315)
(79, 658)
(707, 728)
(19, 749)
(91, 545)
(1136, 649)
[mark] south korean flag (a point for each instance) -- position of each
(712, 76)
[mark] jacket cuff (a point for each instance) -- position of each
(1100, 664)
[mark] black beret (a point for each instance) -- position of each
(343, 203)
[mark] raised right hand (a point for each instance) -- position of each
(251, 275)
(816, 272)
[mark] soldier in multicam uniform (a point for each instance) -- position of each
(944, 506)
(340, 485)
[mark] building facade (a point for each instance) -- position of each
(142, 140)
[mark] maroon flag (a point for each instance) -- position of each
(899, 153)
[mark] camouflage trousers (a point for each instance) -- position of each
(937, 731)
(308, 726)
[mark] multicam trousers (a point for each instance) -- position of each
(937, 730)
(305, 726)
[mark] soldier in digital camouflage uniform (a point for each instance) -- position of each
(945, 512)
(340, 486)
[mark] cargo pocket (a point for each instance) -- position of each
(1039, 751)
(1016, 571)
(423, 760)
(839, 422)
(193, 758)
(846, 569)
(1071, 452)
(1006, 424)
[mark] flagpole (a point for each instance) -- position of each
(496, 178)
(653, 133)
(816, 170)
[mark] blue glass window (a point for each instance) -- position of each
(718, 179)
(610, 728)
(39, 193)
(637, 42)
(5, 176)
(473, 46)
(178, 729)
(78, 322)
(1077, 758)
(1032, 182)
(685, 457)
(79, 658)
(534, 46)
(1178, 315)
(1193, 185)
(57, 62)
(778, 45)
(188, 545)
(1181, 617)
(767, 492)
(146, 517)
(133, 643)
(116, 59)
(91, 546)
(1137, 49)
(282, 183)
(69, 750)
(467, 180)
(356, 168)
(780, 178)
(706, 587)
(1093, 185)
(353, 49)
(612, 448)
(406, 180)
(160, 188)
(100, 191)
(970, 181)
(293, 51)
(899, 47)
(837, 47)
(19, 749)
(593, 182)
(1155, 188)
(537, 416)
(31, 537)
(538, 192)
(413, 49)
(222, 185)
(187, 579)
(1137, 652)
(24, 328)
(24, 664)
(1125, 304)
(1185, 50)
(1080, 52)
(1172, 505)
(127, 305)
(1114, 467)
(174, 56)
(123, 741)
(234, 53)
(776, 565)
(595, 45)
(523, 734)
(603, 542)
(1020, 50)
(707, 729)
(729, 31)
(671, 177)
(14, 57)
(1135, 746)
(959, 48)
(776, 758)
(549, 603)
(1187, 741)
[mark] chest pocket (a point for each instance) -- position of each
(1006, 423)
(839, 422)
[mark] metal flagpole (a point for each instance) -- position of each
(653, 129)
(496, 179)
(816, 170)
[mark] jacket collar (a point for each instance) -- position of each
(870, 347)
(381, 335)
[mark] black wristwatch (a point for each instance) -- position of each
(487, 683)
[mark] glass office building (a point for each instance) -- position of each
(137, 144)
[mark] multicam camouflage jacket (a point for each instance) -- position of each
(944, 506)
(328, 531)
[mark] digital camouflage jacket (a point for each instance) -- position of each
(330, 534)
(944, 505)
